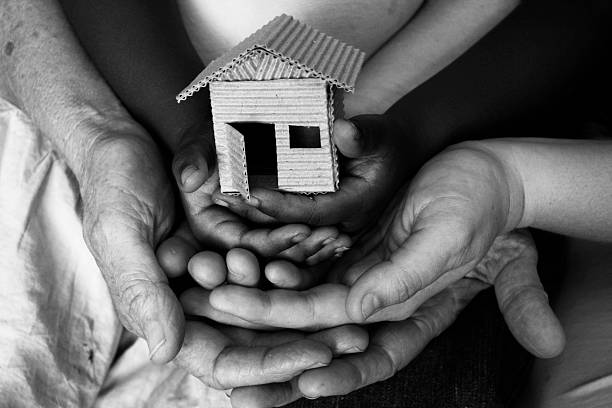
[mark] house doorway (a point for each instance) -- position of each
(260, 148)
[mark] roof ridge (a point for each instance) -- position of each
(287, 38)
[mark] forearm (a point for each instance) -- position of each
(566, 185)
(526, 77)
(142, 50)
(45, 73)
(440, 32)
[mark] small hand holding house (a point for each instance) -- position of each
(273, 98)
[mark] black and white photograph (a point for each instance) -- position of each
(305, 203)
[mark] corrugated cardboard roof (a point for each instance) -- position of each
(297, 43)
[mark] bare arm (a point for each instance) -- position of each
(127, 198)
(440, 32)
(566, 184)
(44, 72)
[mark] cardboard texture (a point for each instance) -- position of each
(284, 81)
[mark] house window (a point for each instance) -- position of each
(304, 137)
(260, 148)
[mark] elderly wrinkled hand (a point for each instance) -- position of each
(127, 209)
(393, 345)
(510, 265)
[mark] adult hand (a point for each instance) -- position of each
(435, 235)
(127, 209)
(324, 305)
(455, 207)
(394, 345)
(217, 227)
(225, 357)
(374, 163)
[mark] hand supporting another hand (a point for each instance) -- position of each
(374, 163)
(216, 227)
(510, 264)
(128, 208)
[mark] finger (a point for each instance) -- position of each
(219, 227)
(351, 141)
(191, 162)
(524, 304)
(318, 238)
(379, 362)
(346, 339)
(335, 249)
(391, 348)
(145, 303)
(318, 210)
(242, 267)
(286, 275)
(358, 268)
(208, 269)
(195, 302)
(242, 207)
(174, 254)
(417, 263)
(319, 307)
(253, 338)
(208, 355)
(341, 340)
(267, 395)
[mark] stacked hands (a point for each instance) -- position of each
(281, 305)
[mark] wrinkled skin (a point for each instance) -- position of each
(127, 209)
(509, 265)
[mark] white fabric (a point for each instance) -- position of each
(58, 330)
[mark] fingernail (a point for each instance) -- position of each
(370, 304)
(187, 173)
(338, 252)
(221, 202)
(328, 241)
(299, 238)
(353, 349)
(310, 398)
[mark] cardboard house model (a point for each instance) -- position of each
(273, 98)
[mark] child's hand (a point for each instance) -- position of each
(374, 164)
(217, 227)
(179, 254)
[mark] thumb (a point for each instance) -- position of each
(368, 135)
(358, 137)
(524, 304)
(192, 161)
(142, 297)
(389, 280)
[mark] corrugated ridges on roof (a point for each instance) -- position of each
(297, 43)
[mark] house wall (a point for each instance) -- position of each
(284, 102)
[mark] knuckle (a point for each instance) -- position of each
(136, 294)
(430, 326)
(388, 365)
